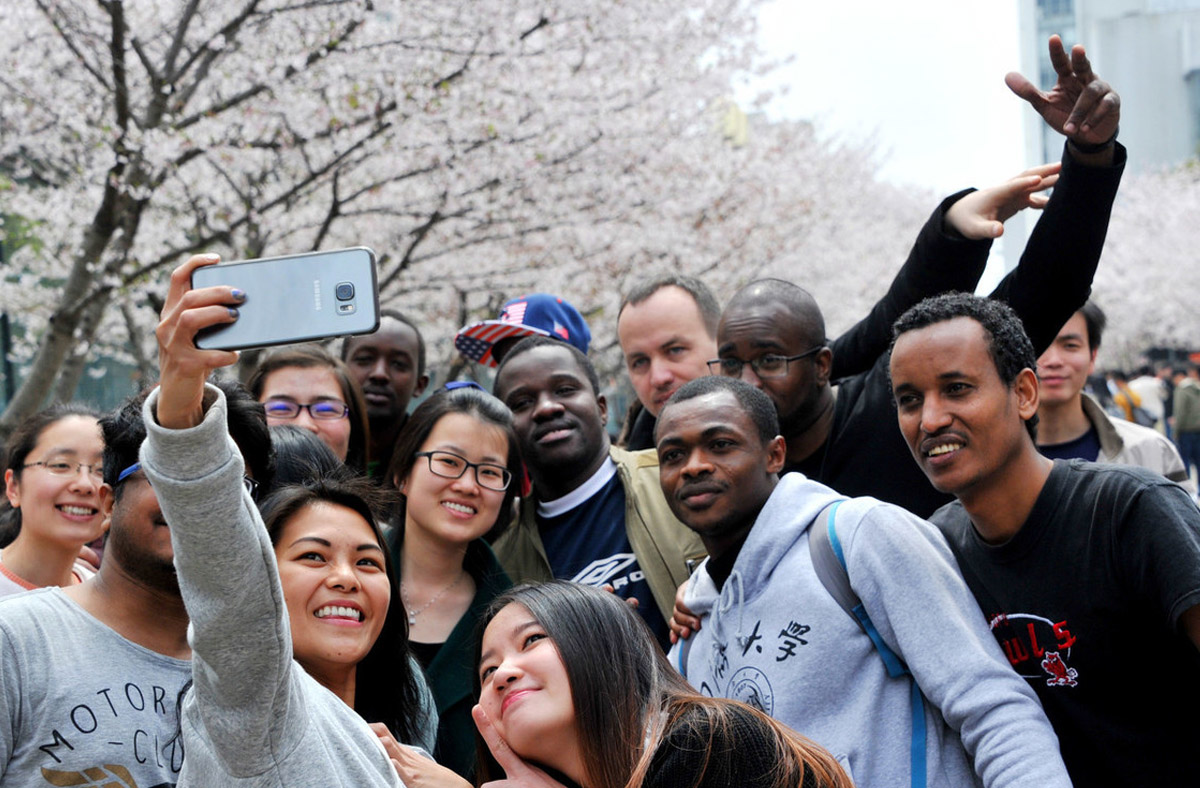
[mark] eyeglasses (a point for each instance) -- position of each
(450, 466)
(69, 468)
(768, 366)
(251, 485)
(323, 409)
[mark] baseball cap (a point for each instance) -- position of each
(537, 314)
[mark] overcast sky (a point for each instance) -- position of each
(924, 80)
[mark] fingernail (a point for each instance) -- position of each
(233, 313)
(238, 294)
(210, 256)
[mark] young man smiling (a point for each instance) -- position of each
(1073, 425)
(772, 635)
(1087, 573)
(596, 514)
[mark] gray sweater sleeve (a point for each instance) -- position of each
(242, 648)
(913, 591)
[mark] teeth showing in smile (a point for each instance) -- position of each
(82, 511)
(339, 612)
(945, 448)
(458, 507)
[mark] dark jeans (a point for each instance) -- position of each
(1189, 449)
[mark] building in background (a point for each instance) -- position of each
(1148, 49)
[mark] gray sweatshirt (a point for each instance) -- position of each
(254, 717)
(775, 638)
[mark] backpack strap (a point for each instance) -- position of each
(829, 562)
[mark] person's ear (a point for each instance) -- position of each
(107, 499)
(1026, 389)
(776, 454)
(422, 383)
(824, 365)
(12, 489)
(1092, 366)
(602, 404)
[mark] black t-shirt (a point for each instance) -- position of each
(1085, 601)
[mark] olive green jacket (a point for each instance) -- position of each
(666, 549)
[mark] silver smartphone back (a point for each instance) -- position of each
(295, 298)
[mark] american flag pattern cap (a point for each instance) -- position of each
(537, 314)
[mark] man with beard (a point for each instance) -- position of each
(390, 367)
(91, 675)
(596, 514)
(774, 636)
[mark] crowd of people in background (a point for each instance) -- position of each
(935, 550)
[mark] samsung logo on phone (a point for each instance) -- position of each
(317, 294)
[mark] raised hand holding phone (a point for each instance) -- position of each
(183, 367)
(295, 298)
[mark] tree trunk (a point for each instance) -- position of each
(73, 366)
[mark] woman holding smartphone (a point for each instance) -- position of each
(256, 716)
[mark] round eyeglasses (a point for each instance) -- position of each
(322, 409)
(449, 465)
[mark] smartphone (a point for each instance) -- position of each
(295, 298)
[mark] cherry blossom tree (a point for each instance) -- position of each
(1148, 279)
(483, 148)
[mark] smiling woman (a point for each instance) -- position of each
(52, 485)
(347, 624)
(552, 713)
(457, 466)
(255, 716)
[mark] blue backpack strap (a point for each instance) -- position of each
(830, 564)
(684, 647)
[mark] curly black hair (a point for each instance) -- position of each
(1007, 343)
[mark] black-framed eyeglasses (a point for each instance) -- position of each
(768, 366)
(251, 485)
(449, 465)
(322, 409)
(69, 468)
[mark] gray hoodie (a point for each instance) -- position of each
(254, 717)
(775, 638)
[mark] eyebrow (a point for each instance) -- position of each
(58, 451)
(454, 448)
(709, 432)
(327, 543)
(755, 344)
(515, 631)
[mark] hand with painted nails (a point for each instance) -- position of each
(1080, 106)
(184, 367)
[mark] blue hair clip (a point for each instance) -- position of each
(463, 384)
(132, 469)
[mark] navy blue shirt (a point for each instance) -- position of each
(588, 544)
(1085, 447)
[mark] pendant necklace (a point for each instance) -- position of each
(412, 614)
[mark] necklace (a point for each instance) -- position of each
(412, 614)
